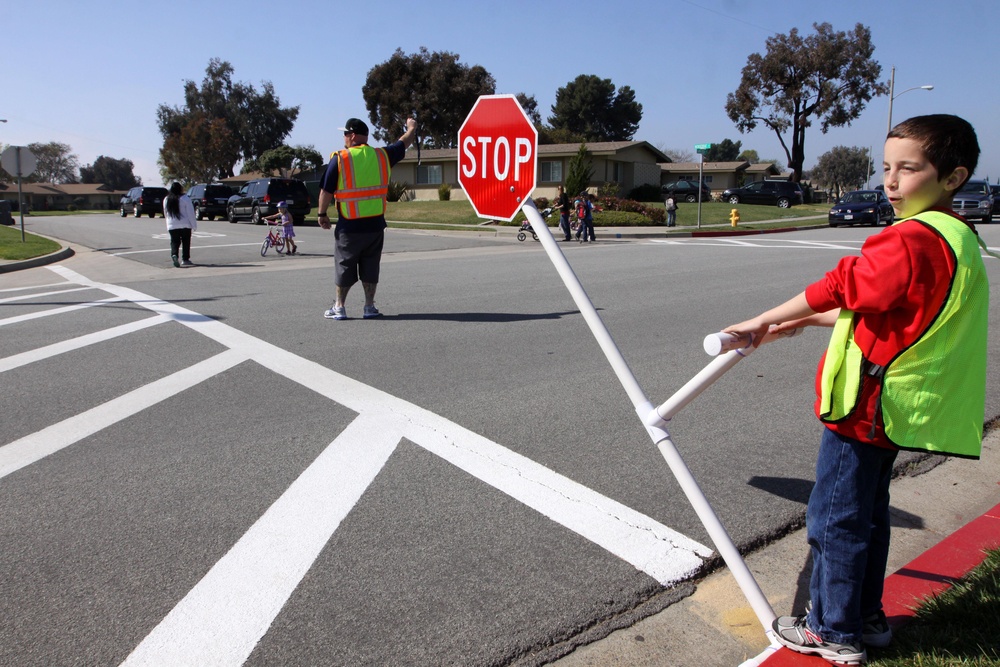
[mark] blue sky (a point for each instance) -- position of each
(91, 74)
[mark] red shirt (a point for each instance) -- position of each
(896, 287)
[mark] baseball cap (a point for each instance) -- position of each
(355, 125)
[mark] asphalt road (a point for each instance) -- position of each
(206, 471)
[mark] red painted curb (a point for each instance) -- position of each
(927, 575)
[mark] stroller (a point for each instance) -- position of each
(526, 229)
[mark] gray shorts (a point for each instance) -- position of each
(358, 256)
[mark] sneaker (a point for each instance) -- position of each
(176, 260)
(336, 313)
(187, 262)
(371, 311)
(875, 630)
(793, 632)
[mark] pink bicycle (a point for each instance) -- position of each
(275, 238)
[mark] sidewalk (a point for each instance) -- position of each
(715, 625)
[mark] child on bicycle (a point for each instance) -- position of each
(289, 229)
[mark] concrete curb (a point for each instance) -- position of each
(926, 576)
(940, 518)
(64, 253)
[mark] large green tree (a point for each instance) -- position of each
(725, 151)
(288, 160)
(436, 86)
(238, 121)
(589, 107)
(827, 77)
(580, 172)
(116, 174)
(843, 168)
(56, 163)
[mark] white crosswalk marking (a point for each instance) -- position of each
(223, 617)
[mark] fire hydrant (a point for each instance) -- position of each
(734, 217)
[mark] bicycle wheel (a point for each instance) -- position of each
(279, 244)
(264, 246)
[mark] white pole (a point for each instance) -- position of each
(655, 424)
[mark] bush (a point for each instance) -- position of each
(646, 192)
(609, 189)
(397, 190)
(444, 192)
(625, 219)
(655, 215)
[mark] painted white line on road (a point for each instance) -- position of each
(17, 319)
(39, 295)
(200, 247)
(31, 356)
(21, 289)
(224, 616)
(662, 553)
(40, 444)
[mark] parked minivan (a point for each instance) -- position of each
(210, 199)
(141, 199)
(974, 201)
(260, 197)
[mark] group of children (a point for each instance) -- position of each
(905, 369)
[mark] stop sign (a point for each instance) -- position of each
(497, 153)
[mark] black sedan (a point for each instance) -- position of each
(865, 207)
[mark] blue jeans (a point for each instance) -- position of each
(847, 523)
(564, 224)
(671, 218)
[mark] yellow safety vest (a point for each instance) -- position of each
(362, 182)
(933, 392)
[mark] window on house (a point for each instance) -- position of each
(550, 172)
(617, 172)
(429, 174)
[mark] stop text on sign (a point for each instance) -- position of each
(497, 154)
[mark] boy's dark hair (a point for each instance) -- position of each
(947, 141)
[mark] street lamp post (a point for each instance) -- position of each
(892, 85)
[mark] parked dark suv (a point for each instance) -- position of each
(974, 201)
(776, 193)
(260, 198)
(141, 200)
(210, 199)
(686, 190)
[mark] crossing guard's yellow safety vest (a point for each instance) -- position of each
(932, 398)
(362, 182)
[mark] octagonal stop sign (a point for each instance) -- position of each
(497, 155)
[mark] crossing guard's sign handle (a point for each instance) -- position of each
(497, 156)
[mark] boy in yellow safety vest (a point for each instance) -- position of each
(905, 369)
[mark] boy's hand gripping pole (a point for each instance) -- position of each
(655, 420)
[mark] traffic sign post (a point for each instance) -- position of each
(701, 149)
(18, 161)
(497, 156)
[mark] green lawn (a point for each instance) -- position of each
(11, 246)
(461, 213)
(961, 627)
